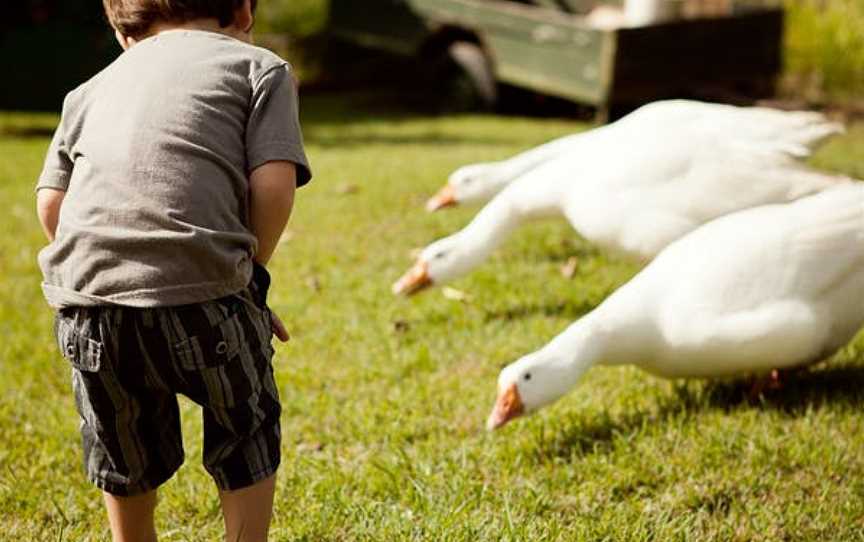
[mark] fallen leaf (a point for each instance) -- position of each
(310, 447)
(569, 268)
(347, 188)
(314, 283)
(455, 295)
(401, 326)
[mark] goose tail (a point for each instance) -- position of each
(807, 131)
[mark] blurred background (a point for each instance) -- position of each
(810, 53)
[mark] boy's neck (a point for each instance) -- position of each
(207, 25)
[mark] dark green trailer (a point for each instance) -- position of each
(557, 52)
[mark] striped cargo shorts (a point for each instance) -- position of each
(129, 364)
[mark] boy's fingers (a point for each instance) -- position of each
(279, 328)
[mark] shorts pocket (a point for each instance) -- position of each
(83, 352)
(212, 347)
(261, 317)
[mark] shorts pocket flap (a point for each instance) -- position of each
(82, 352)
(211, 348)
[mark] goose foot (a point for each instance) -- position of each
(770, 382)
(773, 381)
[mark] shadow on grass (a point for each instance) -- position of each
(338, 119)
(358, 107)
(331, 140)
(569, 310)
(569, 245)
(801, 392)
(26, 132)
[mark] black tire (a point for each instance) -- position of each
(478, 67)
(468, 78)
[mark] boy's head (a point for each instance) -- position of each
(137, 19)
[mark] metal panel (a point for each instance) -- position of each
(567, 72)
(545, 50)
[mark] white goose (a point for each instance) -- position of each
(794, 133)
(767, 288)
(634, 192)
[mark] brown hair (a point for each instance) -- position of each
(133, 18)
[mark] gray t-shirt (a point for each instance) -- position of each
(154, 153)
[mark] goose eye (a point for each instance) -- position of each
(438, 255)
(527, 376)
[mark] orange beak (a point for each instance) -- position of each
(507, 407)
(416, 279)
(446, 197)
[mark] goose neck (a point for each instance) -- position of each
(579, 347)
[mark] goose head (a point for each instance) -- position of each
(542, 377)
(468, 184)
(439, 262)
(526, 386)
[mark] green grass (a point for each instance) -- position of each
(296, 17)
(825, 48)
(384, 399)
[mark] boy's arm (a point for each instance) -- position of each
(48, 203)
(271, 188)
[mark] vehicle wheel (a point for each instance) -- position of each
(471, 85)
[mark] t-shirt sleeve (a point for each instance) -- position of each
(273, 132)
(58, 164)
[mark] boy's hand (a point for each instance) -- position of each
(279, 328)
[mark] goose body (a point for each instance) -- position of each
(791, 133)
(634, 192)
(767, 288)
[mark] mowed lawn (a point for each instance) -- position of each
(385, 398)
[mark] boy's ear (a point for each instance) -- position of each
(124, 41)
(244, 17)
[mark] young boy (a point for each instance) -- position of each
(169, 180)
